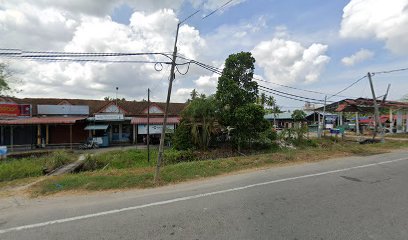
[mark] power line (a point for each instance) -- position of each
(219, 71)
(349, 86)
(390, 71)
(289, 94)
(212, 69)
(216, 10)
(296, 99)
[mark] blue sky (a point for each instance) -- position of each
(316, 45)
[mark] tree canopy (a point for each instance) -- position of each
(236, 87)
(4, 78)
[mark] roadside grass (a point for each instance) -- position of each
(399, 135)
(140, 175)
(12, 169)
(120, 159)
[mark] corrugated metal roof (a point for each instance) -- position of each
(42, 120)
(285, 115)
(143, 120)
(96, 127)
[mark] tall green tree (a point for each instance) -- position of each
(236, 87)
(4, 78)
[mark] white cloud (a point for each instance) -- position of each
(289, 62)
(147, 32)
(383, 20)
(358, 57)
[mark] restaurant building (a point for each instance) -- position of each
(28, 123)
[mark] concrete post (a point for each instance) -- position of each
(11, 138)
(39, 135)
(357, 124)
(134, 134)
(400, 127)
(70, 136)
(47, 135)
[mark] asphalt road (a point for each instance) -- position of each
(350, 198)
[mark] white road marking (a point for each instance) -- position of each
(64, 220)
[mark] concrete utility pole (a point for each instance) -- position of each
(376, 111)
(148, 125)
(166, 111)
(321, 126)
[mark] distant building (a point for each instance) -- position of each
(52, 122)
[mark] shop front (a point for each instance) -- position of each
(155, 128)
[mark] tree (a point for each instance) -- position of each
(200, 117)
(252, 123)
(300, 130)
(181, 138)
(236, 87)
(194, 94)
(4, 78)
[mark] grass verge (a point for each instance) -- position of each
(141, 176)
(12, 169)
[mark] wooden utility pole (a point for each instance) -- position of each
(148, 125)
(376, 111)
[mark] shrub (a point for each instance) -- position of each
(174, 156)
(57, 159)
(182, 137)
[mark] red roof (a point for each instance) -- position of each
(143, 120)
(42, 120)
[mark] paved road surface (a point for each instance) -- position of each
(350, 198)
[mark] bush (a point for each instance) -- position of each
(57, 159)
(182, 137)
(92, 163)
(174, 156)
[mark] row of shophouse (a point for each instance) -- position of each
(27, 123)
(353, 114)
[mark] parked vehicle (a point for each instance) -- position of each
(90, 144)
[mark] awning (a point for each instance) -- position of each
(41, 120)
(96, 127)
(154, 120)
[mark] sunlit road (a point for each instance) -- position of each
(351, 198)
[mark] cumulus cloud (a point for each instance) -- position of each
(383, 20)
(357, 57)
(289, 62)
(146, 32)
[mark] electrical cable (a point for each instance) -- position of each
(216, 10)
(349, 86)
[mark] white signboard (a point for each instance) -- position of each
(63, 109)
(153, 129)
(109, 117)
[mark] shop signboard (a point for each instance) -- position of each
(109, 117)
(63, 109)
(15, 110)
(154, 129)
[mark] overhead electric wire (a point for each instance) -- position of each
(390, 71)
(219, 71)
(300, 100)
(289, 94)
(346, 88)
(270, 89)
(216, 10)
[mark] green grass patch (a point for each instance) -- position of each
(11, 169)
(132, 173)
